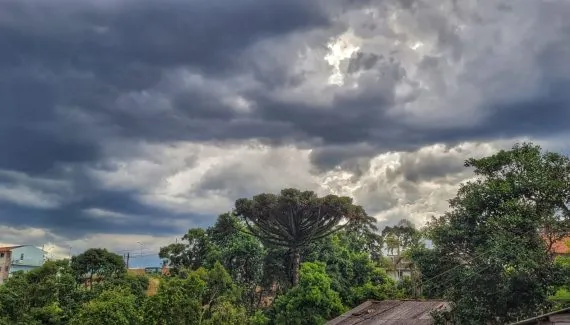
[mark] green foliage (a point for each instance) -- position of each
(227, 313)
(111, 307)
(312, 301)
(239, 253)
(46, 295)
(561, 298)
(293, 219)
(225, 242)
(353, 273)
(196, 297)
(259, 318)
(136, 285)
(97, 263)
(177, 302)
(195, 251)
(491, 259)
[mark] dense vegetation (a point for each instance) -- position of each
(296, 258)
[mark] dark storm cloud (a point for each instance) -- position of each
(125, 47)
(64, 65)
(68, 68)
(73, 219)
(85, 35)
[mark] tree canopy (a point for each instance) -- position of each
(492, 257)
(293, 219)
(97, 262)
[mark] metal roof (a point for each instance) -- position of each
(391, 312)
(537, 319)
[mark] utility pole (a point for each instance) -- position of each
(141, 246)
(128, 257)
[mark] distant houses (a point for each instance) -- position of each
(19, 258)
(402, 267)
(164, 270)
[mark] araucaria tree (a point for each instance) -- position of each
(294, 218)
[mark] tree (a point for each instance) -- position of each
(177, 302)
(195, 297)
(239, 252)
(561, 298)
(293, 219)
(45, 295)
(497, 263)
(195, 251)
(227, 313)
(353, 274)
(137, 285)
(111, 307)
(400, 237)
(311, 302)
(226, 242)
(97, 262)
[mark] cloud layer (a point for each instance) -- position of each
(138, 119)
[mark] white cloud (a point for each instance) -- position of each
(60, 247)
(207, 179)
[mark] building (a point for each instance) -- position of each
(392, 312)
(19, 258)
(402, 267)
(5, 258)
(561, 317)
(163, 270)
(560, 247)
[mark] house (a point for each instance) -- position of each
(401, 266)
(19, 258)
(163, 270)
(560, 247)
(392, 312)
(560, 317)
(5, 258)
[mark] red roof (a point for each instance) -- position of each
(561, 246)
(7, 248)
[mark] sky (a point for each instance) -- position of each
(126, 122)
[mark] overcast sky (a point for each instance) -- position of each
(128, 121)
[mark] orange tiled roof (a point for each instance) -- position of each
(561, 246)
(7, 248)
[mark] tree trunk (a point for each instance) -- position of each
(295, 267)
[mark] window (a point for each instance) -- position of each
(7, 268)
(1, 255)
(21, 256)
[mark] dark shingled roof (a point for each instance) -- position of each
(391, 312)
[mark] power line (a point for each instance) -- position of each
(477, 256)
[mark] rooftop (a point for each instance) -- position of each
(556, 317)
(391, 312)
(561, 246)
(8, 248)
